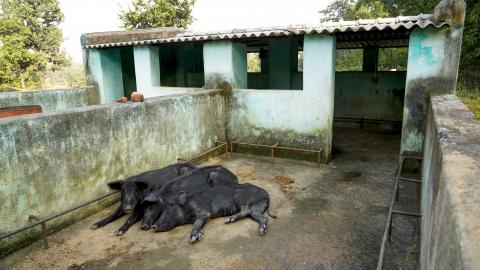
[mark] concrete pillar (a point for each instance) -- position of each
(370, 59)
(147, 68)
(104, 71)
(433, 59)
(319, 84)
(264, 61)
(282, 61)
(225, 64)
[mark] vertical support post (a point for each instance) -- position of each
(433, 60)
(225, 64)
(104, 71)
(319, 85)
(282, 62)
(370, 59)
(147, 69)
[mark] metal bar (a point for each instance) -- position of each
(318, 157)
(57, 215)
(276, 147)
(386, 233)
(203, 153)
(44, 230)
(411, 214)
(410, 179)
(273, 148)
(226, 150)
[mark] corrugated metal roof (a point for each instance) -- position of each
(362, 25)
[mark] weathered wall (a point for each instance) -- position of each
(53, 161)
(357, 96)
(51, 100)
(259, 80)
(450, 234)
(433, 59)
(103, 68)
(292, 118)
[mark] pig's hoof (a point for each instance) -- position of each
(263, 230)
(196, 237)
(94, 227)
(120, 232)
(229, 220)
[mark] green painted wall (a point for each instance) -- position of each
(104, 72)
(181, 65)
(51, 100)
(259, 80)
(433, 59)
(357, 96)
(51, 162)
(225, 63)
(301, 118)
(282, 62)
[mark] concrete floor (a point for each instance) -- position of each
(330, 217)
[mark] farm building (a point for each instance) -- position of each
(365, 168)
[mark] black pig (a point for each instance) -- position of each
(238, 201)
(133, 190)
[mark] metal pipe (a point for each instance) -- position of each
(39, 222)
(386, 233)
(273, 146)
(410, 180)
(403, 213)
(204, 153)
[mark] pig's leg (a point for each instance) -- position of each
(197, 230)
(257, 215)
(244, 212)
(262, 221)
(132, 219)
(118, 213)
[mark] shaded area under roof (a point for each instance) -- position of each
(381, 32)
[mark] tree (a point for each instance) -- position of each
(31, 40)
(158, 13)
(471, 35)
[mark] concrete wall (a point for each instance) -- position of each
(292, 118)
(103, 69)
(357, 96)
(433, 59)
(450, 208)
(50, 162)
(51, 100)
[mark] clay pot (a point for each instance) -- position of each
(137, 97)
(122, 100)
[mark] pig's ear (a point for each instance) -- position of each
(213, 177)
(117, 185)
(181, 197)
(151, 197)
(141, 184)
(184, 170)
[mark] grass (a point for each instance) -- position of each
(472, 101)
(468, 90)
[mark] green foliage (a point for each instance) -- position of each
(392, 59)
(471, 36)
(349, 60)
(31, 40)
(158, 13)
(353, 10)
(253, 62)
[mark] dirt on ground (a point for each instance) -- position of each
(332, 217)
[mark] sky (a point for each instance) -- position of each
(102, 15)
